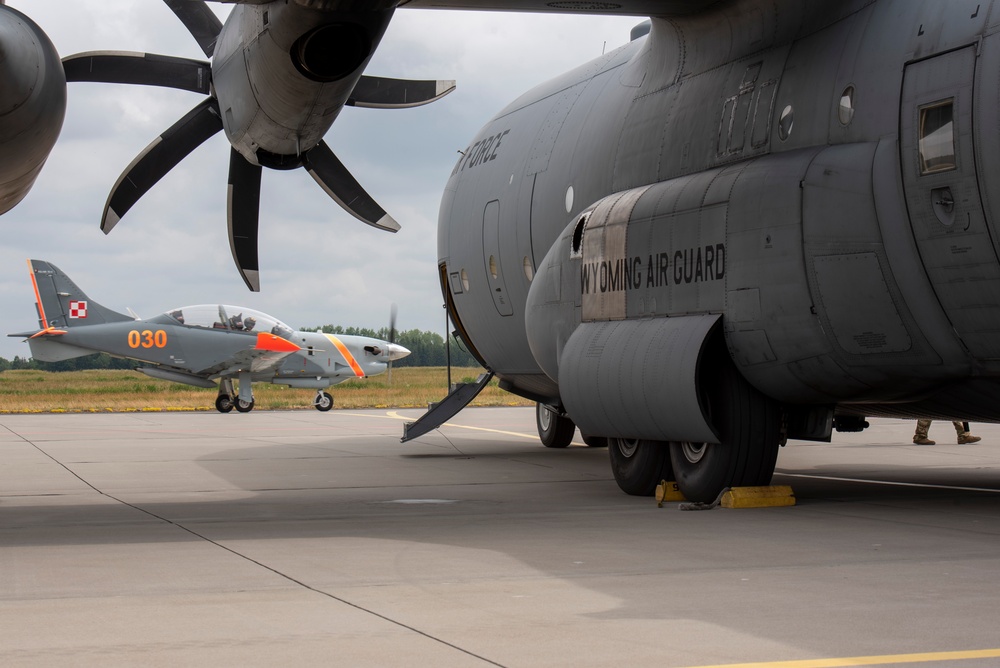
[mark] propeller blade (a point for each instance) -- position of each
(147, 69)
(200, 21)
(382, 93)
(243, 206)
(392, 324)
(160, 157)
(338, 183)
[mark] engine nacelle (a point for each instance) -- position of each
(32, 103)
(615, 375)
(280, 92)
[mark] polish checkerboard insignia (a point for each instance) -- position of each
(78, 309)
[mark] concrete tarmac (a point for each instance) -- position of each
(306, 538)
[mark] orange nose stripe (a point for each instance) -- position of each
(274, 343)
(348, 357)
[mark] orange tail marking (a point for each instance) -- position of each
(38, 298)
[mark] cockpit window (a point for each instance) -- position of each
(937, 137)
(232, 318)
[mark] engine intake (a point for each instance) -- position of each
(331, 52)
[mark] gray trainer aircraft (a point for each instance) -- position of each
(197, 345)
(32, 103)
(759, 220)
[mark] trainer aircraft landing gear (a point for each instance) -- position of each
(749, 426)
(555, 430)
(226, 401)
(229, 399)
(323, 401)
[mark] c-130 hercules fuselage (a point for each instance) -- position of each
(754, 223)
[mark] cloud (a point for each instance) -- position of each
(318, 264)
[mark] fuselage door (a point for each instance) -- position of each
(491, 258)
(942, 195)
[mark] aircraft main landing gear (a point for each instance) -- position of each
(555, 430)
(639, 465)
(749, 426)
(323, 401)
(244, 406)
(226, 401)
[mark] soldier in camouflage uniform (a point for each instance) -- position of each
(964, 437)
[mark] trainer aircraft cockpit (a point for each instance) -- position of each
(222, 316)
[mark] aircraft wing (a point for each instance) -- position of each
(267, 354)
(620, 8)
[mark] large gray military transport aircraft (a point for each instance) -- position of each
(759, 220)
(198, 345)
(762, 220)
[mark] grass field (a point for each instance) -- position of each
(112, 391)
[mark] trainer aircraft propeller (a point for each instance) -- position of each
(199, 345)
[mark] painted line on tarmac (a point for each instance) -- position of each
(926, 657)
(893, 483)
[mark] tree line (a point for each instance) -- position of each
(426, 349)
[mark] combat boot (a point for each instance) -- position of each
(923, 440)
(966, 438)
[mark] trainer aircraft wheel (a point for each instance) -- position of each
(223, 403)
(244, 406)
(324, 401)
(639, 465)
(556, 431)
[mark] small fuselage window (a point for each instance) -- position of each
(937, 137)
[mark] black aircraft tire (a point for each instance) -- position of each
(324, 403)
(223, 403)
(749, 426)
(243, 406)
(639, 465)
(556, 431)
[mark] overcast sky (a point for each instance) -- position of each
(318, 264)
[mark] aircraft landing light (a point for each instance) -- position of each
(274, 343)
(925, 657)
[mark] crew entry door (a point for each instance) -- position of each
(491, 258)
(942, 195)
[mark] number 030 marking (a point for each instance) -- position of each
(147, 338)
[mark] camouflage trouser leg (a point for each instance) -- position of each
(923, 426)
(959, 427)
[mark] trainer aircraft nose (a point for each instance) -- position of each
(394, 352)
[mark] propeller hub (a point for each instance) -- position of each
(394, 351)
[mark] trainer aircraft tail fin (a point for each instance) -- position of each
(61, 304)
